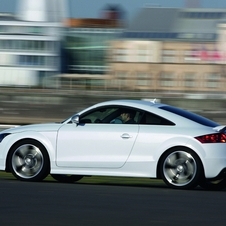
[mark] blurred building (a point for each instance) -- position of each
(30, 42)
(162, 49)
(85, 47)
(171, 50)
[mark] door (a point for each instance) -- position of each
(95, 145)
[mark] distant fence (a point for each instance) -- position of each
(150, 83)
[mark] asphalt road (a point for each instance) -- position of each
(51, 203)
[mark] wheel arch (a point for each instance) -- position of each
(25, 140)
(171, 149)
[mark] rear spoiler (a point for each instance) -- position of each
(220, 128)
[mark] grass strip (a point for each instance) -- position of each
(103, 180)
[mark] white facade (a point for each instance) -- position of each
(30, 42)
(138, 51)
(222, 40)
(42, 10)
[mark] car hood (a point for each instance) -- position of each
(34, 127)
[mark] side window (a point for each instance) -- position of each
(152, 119)
(127, 115)
(113, 115)
(100, 115)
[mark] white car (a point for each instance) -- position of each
(158, 141)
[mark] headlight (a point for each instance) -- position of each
(3, 135)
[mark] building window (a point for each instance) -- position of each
(122, 79)
(30, 45)
(213, 80)
(202, 15)
(167, 79)
(203, 54)
(169, 56)
(190, 80)
(6, 44)
(142, 54)
(24, 60)
(143, 79)
(191, 56)
(35, 30)
(212, 84)
(213, 76)
(121, 55)
(51, 61)
(3, 28)
(86, 51)
(122, 75)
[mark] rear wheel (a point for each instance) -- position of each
(66, 178)
(29, 161)
(180, 168)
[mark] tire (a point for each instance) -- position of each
(213, 185)
(66, 178)
(29, 161)
(180, 168)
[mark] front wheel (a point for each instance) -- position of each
(64, 178)
(28, 161)
(180, 168)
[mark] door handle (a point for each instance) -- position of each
(126, 136)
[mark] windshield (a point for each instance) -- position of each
(191, 116)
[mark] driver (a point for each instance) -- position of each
(127, 117)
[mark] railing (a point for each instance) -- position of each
(99, 82)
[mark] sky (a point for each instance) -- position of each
(92, 8)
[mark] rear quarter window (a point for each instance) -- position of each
(190, 115)
(152, 119)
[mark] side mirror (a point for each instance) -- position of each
(75, 119)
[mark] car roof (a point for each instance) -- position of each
(139, 104)
(151, 106)
(143, 104)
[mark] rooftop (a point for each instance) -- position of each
(175, 23)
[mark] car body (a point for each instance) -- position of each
(180, 147)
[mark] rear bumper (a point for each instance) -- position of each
(221, 175)
(214, 167)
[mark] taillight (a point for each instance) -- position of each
(212, 138)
